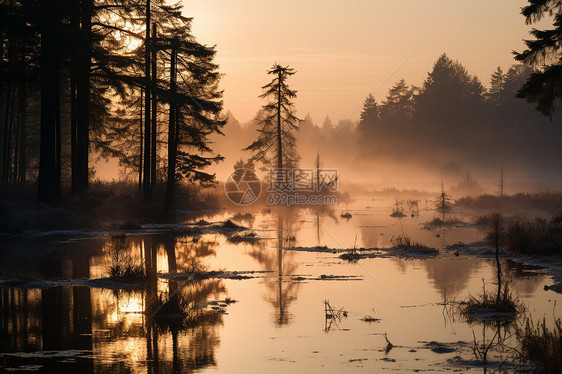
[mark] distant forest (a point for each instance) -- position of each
(451, 127)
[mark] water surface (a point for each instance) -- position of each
(54, 318)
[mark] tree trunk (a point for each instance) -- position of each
(146, 175)
(497, 229)
(80, 181)
(17, 135)
(172, 142)
(75, 27)
(2, 88)
(154, 110)
(58, 131)
(48, 188)
(6, 154)
(279, 142)
(141, 140)
(23, 134)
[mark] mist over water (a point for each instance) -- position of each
(451, 129)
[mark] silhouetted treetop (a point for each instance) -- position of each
(448, 89)
(276, 143)
(544, 87)
(370, 112)
(399, 103)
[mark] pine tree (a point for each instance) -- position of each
(370, 113)
(194, 105)
(544, 53)
(443, 201)
(497, 85)
(276, 144)
(399, 103)
(449, 93)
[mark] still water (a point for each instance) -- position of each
(59, 312)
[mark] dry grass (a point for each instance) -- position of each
(540, 236)
(542, 346)
(397, 212)
(247, 237)
(491, 306)
(484, 219)
(105, 205)
(550, 202)
(123, 267)
(405, 243)
(437, 223)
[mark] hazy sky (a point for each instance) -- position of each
(344, 50)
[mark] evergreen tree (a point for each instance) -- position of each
(449, 92)
(544, 53)
(399, 104)
(497, 84)
(450, 102)
(370, 113)
(198, 102)
(276, 145)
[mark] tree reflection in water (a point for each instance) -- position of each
(181, 318)
(110, 324)
(281, 290)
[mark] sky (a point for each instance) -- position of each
(344, 50)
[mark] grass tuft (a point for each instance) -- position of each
(542, 346)
(491, 306)
(397, 212)
(247, 237)
(123, 267)
(405, 243)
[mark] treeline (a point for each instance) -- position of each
(450, 127)
(453, 122)
(83, 79)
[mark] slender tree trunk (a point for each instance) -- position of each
(17, 137)
(7, 125)
(147, 92)
(15, 163)
(172, 142)
(11, 124)
(279, 141)
(75, 27)
(154, 109)
(497, 229)
(2, 88)
(141, 139)
(48, 189)
(280, 296)
(58, 132)
(318, 165)
(83, 100)
(23, 134)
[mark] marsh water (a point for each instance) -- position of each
(261, 306)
